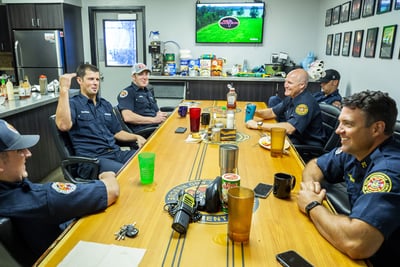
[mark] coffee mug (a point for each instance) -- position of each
(283, 184)
(182, 111)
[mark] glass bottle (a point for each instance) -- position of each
(231, 97)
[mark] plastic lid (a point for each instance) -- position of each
(223, 108)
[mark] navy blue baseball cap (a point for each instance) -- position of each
(330, 75)
(11, 139)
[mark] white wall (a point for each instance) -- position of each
(285, 29)
(362, 73)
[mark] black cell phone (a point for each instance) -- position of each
(292, 259)
(262, 190)
(180, 130)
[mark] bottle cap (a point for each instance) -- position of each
(42, 76)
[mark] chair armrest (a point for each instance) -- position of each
(308, 152)
(338, 197)
(75, 160)
(146, 132)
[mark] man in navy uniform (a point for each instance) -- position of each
(368, 162)
(39, 212)
(91, 122)
(136, 102)
(329, 93)
(301, 112)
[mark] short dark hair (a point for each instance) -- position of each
(376, 105)
(81, 70)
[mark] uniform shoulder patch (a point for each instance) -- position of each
(377, 182)
(63, 188)
(301, 109)
(123, 93)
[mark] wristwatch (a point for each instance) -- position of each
(259, 125)
(310, 206)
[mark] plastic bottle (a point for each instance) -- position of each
(43, 84)
(231, 98)
(3, 91)
(10, 90)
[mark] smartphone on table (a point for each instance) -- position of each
(292, 259)
(262, 190)
(180, 130)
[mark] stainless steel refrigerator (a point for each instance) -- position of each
(39, 52)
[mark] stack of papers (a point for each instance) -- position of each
(90, 254)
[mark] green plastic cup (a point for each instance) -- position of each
(146, 167)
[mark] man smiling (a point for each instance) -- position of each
(136, 102)
(368, 162)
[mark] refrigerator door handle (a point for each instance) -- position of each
(17, 53)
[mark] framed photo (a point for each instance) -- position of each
(328, 17)
(336, 44)
(357, 43)
(383, 6)
(346, 44)
(397, 4)
(370, 42)
(329, 42)
(368, 8)
(356, 9)
(387, 42)
(345, 12)
(336, 15)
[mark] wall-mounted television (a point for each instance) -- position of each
(229, 22)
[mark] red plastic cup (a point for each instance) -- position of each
(194, 114)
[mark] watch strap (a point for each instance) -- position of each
(310, 206)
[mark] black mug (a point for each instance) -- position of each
(283, 184)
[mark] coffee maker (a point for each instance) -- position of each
(155, 50)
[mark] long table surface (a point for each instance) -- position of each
(277, 225)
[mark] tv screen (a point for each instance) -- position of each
(229, 22)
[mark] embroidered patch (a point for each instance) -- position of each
(63, 188)
(301, 109)
(377, 182)
(123, 93)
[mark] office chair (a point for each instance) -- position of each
(14, 251)
(69, 162)
(146, 132)
(330, 122)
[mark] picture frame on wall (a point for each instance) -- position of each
(328, 17)
(329, 41)
(397, 4)
(387, 41)
(370, 42)
(346, 44)
(345, 12)
(384, 6)
(356, 9)
(336, 15)
(357, 43)
(368, 8)
(336, 44)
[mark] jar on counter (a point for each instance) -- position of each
(43, 84)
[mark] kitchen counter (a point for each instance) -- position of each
(216, 78)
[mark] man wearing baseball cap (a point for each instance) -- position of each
(40, 211)
(137, 103)
(329, 93)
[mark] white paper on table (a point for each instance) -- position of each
(88, 254)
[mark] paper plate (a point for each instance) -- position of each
(265, 142)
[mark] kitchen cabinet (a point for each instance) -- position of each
(5, 41)
(36, 16)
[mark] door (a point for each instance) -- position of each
(115, 70)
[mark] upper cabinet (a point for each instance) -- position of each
(5, 42)
(36, 16)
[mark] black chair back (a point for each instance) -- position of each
(69, 162)
(330, 122)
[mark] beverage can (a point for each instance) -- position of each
(229, 180)
(250, 110)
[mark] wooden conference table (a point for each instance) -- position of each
(277, 224)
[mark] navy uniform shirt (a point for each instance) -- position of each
(139, 101)
(327, 99)
(304, 113)
(94, 127)
(37, 210)
(373, 186)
